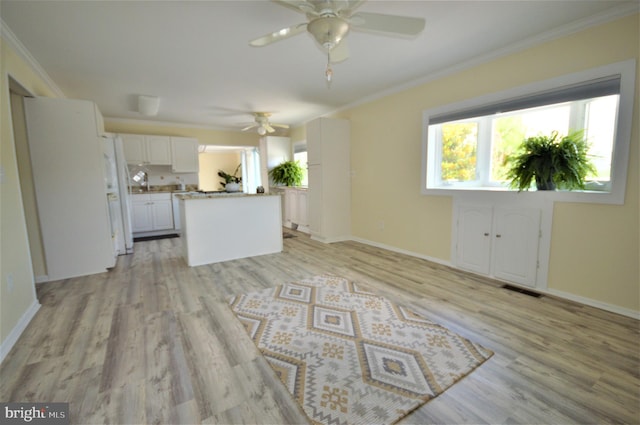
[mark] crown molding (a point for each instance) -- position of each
(619, 12)
(22, 51)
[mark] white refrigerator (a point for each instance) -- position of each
(118, 195)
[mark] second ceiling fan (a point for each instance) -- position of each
(262, 123)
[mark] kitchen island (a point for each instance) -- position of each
(222, 227)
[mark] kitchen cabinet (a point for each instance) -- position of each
(151, 212)
(159, 150)
(144, 149)
(295, 209)
(184, 152)
(499, 242)
(329, 193)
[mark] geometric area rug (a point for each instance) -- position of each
(351, 357)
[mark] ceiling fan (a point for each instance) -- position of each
(329, 21)
(262, 123)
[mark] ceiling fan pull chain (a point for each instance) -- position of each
(328, 73)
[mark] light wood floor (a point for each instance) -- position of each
(152, 341)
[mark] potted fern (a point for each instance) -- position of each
(287, 173)
(552, 162)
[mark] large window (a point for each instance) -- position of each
(467, 144)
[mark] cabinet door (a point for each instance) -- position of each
(158, 150)
(473, 245)
(315, 199)
(141, 216)
(162, 212)
(134, 148)
(291, 215)
(303, 210)
(516, 236)
(185, 155)
(314, 142)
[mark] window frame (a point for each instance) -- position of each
(626, 70)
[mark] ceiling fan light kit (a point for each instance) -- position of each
(329, 22)
(262, 124)
(328, 31)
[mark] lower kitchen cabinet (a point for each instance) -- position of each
(151, 212)
(295, 207)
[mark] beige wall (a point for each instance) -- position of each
(602, 264)
(594, 248)
(15, 260)
(204, 136)
(210, 163)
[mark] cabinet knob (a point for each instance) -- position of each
(498, 236)
(486, 234)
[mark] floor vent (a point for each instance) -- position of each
(522, 291)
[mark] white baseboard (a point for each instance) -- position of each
(560, 294)
(17, 330)
(42, 279)
(401, 251)
(330, 240)
(594, 303)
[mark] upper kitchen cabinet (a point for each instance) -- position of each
(184, 152)
(159, 150)
(142, 149)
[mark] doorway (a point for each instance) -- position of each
(27, 189)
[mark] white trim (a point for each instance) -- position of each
(594, 303)
(42, 279)
(402, 251)
(17, 330)
(554, 292)
(328, 240)
(22, 51)
(626, 70)
(604, 17)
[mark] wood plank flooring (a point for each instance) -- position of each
(153, 342)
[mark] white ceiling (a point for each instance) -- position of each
(195, 55)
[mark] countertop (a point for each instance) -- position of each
(191, 196)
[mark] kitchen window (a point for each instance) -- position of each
(466, 144)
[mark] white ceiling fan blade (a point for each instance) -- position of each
(268, 127)
(389, 24)
(250, 127)
(279, 125)
(282, 34)
(339, 53)
(298, 5)
(354, 4)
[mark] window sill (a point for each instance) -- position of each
(590, 197)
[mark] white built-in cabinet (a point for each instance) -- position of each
(500, 242)
(142, 149)
(184, 153)
(295, 208)
(329, 193)
(151, 212)
(181, 153)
